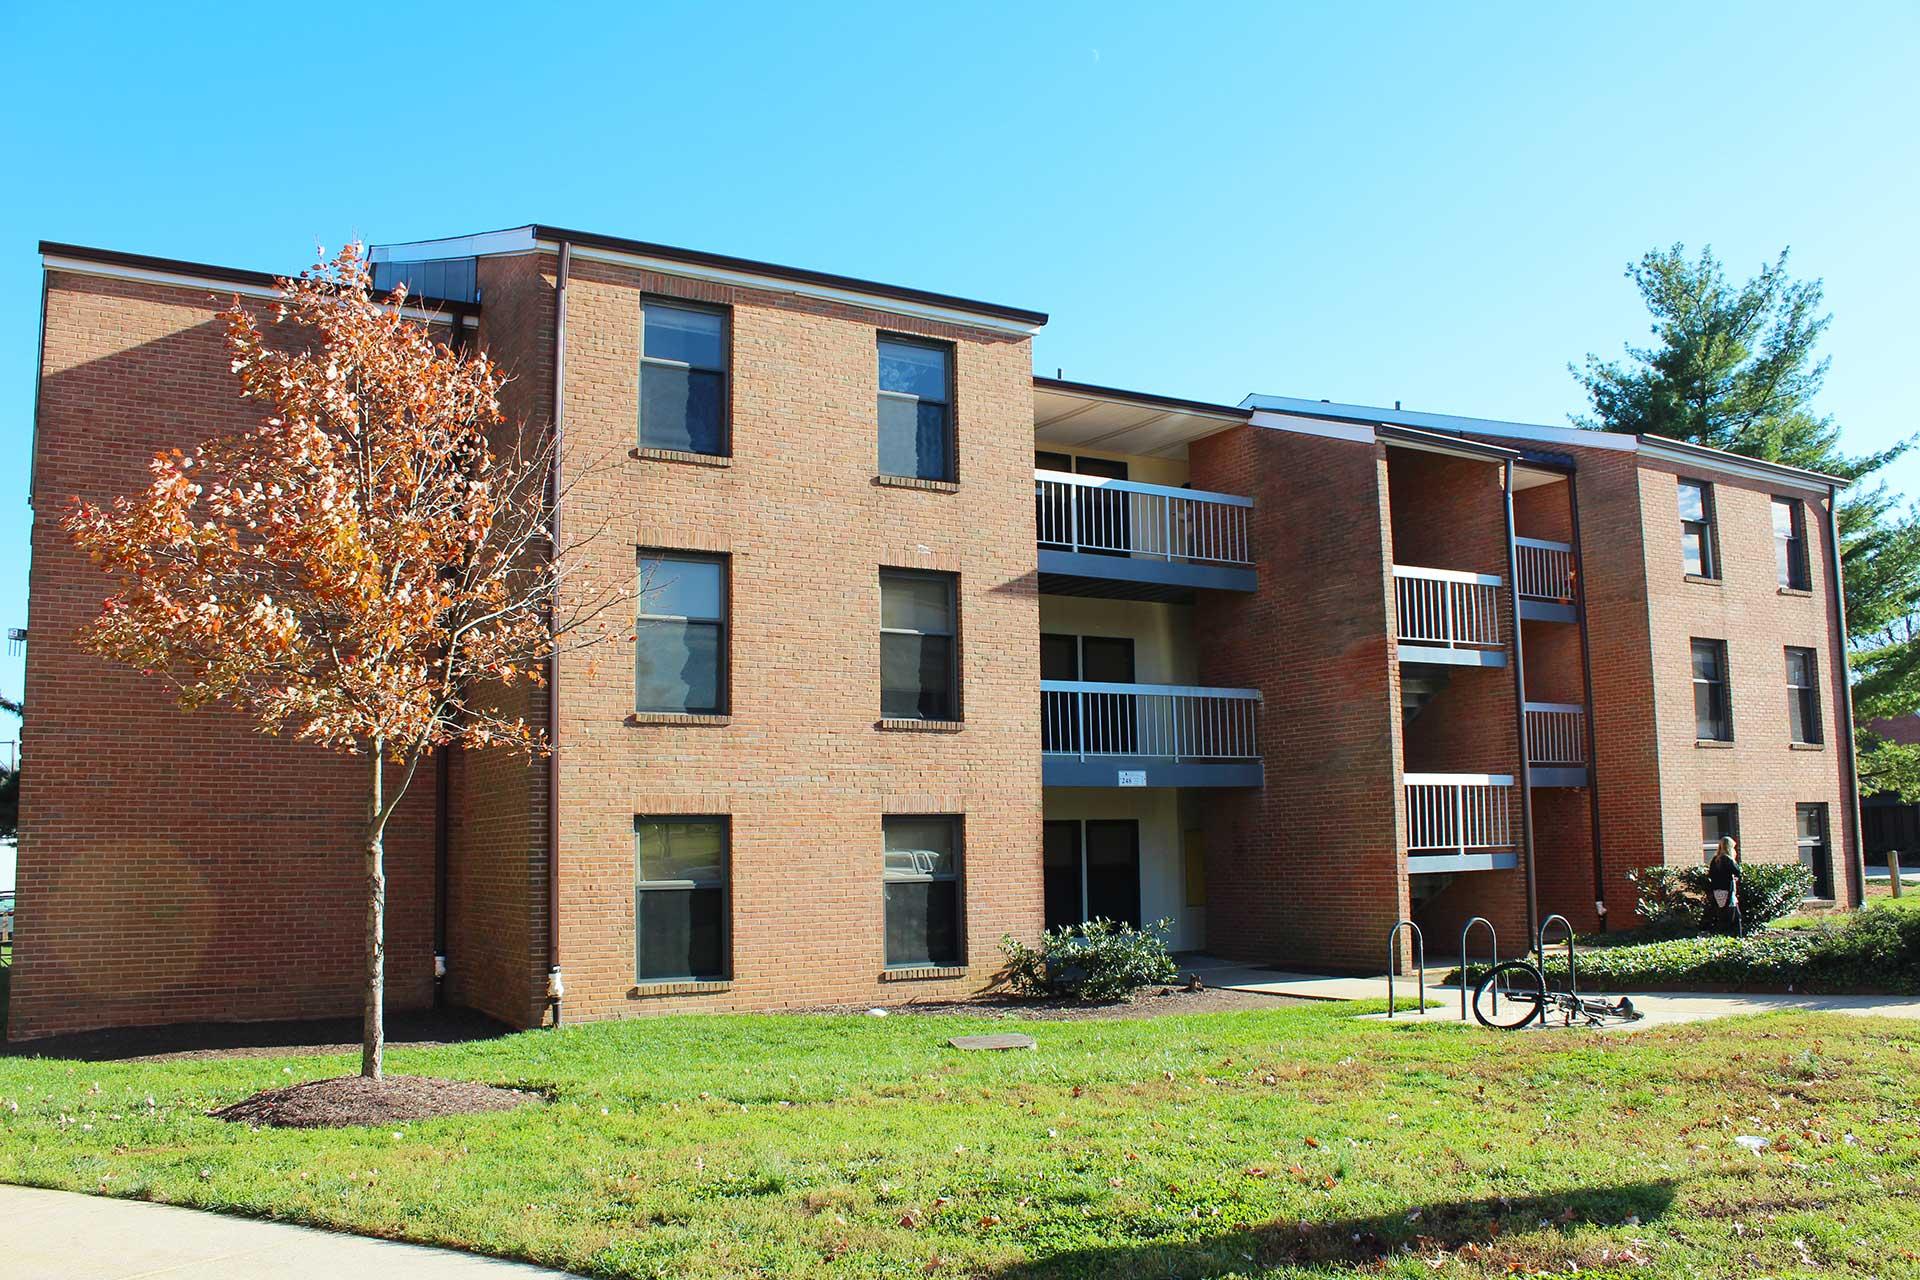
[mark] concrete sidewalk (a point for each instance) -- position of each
(1662, 1008)
(61, 1235)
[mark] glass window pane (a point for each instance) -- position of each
(692, 337)
(920, 847)
(680, 849)
(1693, 552)
(923, 922)
(913, 439)
(679, 933)
(1706, 660)
(1799, 667)
(681, 588)
(914, 369)
(1782, 518)
(909, 602)
(916, 677)
(676, 666)
(1693, 501)
(680, 409)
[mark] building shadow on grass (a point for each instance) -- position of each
(257, 1039)
(1359, 1244)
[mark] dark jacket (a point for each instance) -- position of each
(1722, 872)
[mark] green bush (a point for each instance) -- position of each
(1876, 949)
(1674, 899)
(1099, 960)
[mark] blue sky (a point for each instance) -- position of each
(1431, 204)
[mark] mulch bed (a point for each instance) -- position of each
(1153, 1003)
(414, 1030)
(351, 1100)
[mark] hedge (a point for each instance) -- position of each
(1674, 899)
(1873, 950)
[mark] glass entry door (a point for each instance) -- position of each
(1091, 871)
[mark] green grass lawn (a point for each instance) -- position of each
(1296, 1141)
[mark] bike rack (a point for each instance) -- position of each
(1419, 963)
(1540, 952)
(1493, 940)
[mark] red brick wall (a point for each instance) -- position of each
(498, 828)
(1308, 870)
(174, 866)
(1746, 607)
(1450, 513)
(801, 764)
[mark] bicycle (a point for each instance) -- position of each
(1514, 993)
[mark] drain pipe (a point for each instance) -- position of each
(1520, 710)
(1586, 682)
(1856, 863)
(556, 989)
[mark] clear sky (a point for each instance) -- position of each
(1425, 203)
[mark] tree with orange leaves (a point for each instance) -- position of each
(371, 568)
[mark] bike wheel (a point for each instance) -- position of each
(1510, 997)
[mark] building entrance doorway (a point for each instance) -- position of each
(1091, 871)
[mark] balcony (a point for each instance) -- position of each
(1448, 616)
(1126, 539)
(1544, 570)
(1148, 735)
(1556, 744)
(1460, 822)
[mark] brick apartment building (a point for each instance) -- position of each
(934, 650)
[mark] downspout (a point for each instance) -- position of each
(1586, 678)
(1856, 864)
(1520, 717)
(556, 989)
(441, 809)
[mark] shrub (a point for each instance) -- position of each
(1099, 960)
(1674, 899)
(1875, 949)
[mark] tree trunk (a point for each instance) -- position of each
(373, 1034)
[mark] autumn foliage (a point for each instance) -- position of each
(371, 568)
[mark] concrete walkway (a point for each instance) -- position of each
(61, 1235)
(1661, 1008)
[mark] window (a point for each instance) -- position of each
(1717, 820)
(917, 677)
(1712, 701)
(680, 899)
(680, 635)
(1790, 542)
(922, 887)
(683, 378)
(916, 409)
(1810, 821)
(1803, 696)
(1696, 528)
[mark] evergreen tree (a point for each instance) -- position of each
(1737, 367)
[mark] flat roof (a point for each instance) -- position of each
(54, 253)
(1574, 437)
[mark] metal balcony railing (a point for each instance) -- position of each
(1170, 722)
(1459, 813)
(1447, 606)
(1125, 517)
(1544, 569)
(1556, 734)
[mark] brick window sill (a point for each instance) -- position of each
(1806, 746)
(676, 717)
(1712, 744)
(923, 973)
(692, 987)
(681, 455)
(1802, 592)
(915, 482)
(920, 726)
(1694, 577)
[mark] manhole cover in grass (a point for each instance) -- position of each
(1007, 1041)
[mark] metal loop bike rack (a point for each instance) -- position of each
(1419, 963)
(1540, 951)
(1493, 943)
